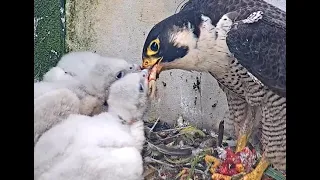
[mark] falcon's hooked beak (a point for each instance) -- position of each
(150, 62)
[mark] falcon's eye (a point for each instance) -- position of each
(140, 87)
(153, 47)
(120, 75)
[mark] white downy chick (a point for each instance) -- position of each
(90, 85)
(103, 147)
(56, 74)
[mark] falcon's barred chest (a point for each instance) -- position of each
(239, 81)
(228, 71)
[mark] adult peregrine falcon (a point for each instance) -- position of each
(247, 57)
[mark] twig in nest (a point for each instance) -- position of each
(195, 169)
(158, 171)
(186, 172)
(149, 172)
(175, 129)
(193, 165)
(177, 162)
(154, 125)
(172, 136)
(220, 133)
(206, 172)
(170, 151)
(150, 160)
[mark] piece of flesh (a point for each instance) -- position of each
(152, 81)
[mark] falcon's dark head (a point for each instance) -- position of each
(171, 40)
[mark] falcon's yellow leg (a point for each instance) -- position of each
(257, 173)
(217, 176)
(242, 142)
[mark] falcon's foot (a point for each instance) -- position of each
(257, 173)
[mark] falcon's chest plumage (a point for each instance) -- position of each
(226, 69)
(241, 83)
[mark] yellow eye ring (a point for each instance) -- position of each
(153, 47)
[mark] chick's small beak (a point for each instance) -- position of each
(136, 67)
(145, 73)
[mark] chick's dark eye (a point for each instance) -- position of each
(154, 46)
(140, 87)
(120, 74)
(105, 103)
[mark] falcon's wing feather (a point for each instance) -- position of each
(216, 8)
(261, 48)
